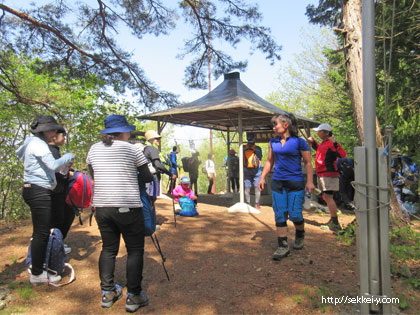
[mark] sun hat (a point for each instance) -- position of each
(117, 123)
(185, 180)
(325, 126)
(151, 134)
(44, 123)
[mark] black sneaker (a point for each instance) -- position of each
(110, 297)
(135, 301)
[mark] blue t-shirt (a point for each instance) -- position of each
(287, 158)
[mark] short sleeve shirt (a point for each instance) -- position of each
(115, 174)
(288, 157)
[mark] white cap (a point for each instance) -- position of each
(326, 127)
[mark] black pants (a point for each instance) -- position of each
(211, 179)
(194, 179)
(62, 213)
(172, 184)
(39, 200)
(233, 181)
(112, 223)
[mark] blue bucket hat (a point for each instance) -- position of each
(185, 180)
(117, 123)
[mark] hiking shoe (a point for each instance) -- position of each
(332, 226)
(281, 252)
(135, 301)
(110, 297)
(67, 249)
(257, 206)
(44, 277)
(299, 241)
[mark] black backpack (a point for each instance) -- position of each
(186, 163)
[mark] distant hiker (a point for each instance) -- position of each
(193, 166)
(183, 190)
(63, 215)
(39, 182)
(210, 168)
(233, 170)
(286, 152)
(327, 173)
(113, 164)
(252, 169)
(151, 153)
(173, 168)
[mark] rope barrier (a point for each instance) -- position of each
(385, 205)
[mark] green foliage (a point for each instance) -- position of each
(80, 105)
(83, 37)
(314, 85)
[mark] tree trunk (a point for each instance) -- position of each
(352, 24)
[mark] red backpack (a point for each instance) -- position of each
(79, 192)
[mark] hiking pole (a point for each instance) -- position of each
(157, 246)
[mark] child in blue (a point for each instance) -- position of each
(288, 186)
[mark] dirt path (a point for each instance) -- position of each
(219, 263)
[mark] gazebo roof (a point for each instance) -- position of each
(220, 108)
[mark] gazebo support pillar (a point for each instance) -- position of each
(241, 206)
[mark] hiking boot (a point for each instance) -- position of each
(110, 297)
(333, 226)
(299, 241)
(281, 251)
(44, 277)
(135, 301)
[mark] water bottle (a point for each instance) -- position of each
(307, 202)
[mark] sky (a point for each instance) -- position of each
(157, 55)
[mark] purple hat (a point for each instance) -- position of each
(117, 123)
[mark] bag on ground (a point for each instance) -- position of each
(55, 257)
(188, 207)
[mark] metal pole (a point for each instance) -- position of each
(241, 160)
(369, 126)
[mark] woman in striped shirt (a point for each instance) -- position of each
(113, 164)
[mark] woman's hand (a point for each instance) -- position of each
(309, 187)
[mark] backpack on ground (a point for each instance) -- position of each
(186, 163)
(55, 257)
(410, 171)
(251, 159)
(188, 207)
(80, 193)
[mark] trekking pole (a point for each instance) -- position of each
(157, 246)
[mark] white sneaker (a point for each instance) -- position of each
(44, 278)
(67, 249)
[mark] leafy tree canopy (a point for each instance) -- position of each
(82, 36)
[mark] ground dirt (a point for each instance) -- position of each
(218, 263)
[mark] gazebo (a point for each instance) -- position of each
(230, 107)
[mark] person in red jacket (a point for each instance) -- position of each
(326, 169)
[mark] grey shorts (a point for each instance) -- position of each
(328, 183)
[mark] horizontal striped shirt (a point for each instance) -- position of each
(115, 174)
